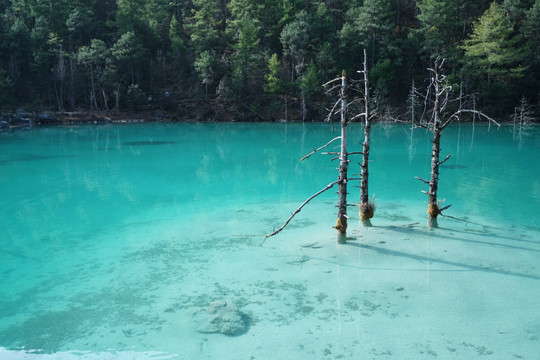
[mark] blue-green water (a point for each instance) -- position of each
(113, 238)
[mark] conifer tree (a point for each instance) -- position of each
(492, 49)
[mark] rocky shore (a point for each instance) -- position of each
(21, 119)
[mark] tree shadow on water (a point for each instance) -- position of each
(420, 258)
(447, 234)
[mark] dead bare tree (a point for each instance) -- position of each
(522, 118)
(341, 222)
(437, 96)
(341, 106)
(367, 207)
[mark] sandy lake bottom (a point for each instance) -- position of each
(110, 252)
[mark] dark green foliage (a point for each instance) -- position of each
(255, 57)
(136, 99)
(5, 91)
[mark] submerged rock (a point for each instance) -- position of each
(222, 317)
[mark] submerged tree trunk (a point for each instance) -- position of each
(366, 207)
(341, 223)
(342, 155)
(440, 89)
(433, 209)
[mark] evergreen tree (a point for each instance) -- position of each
(437, 26)
(273, 83)
(129, 14)
(246, 59)
(204, 24)
(295, 41)
(492, 50)
(372, 23)
(5, 90)
(128, 54)
(531, 30)
(204, 65)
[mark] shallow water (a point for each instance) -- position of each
(114, 238)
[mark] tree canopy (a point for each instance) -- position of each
(237, 55)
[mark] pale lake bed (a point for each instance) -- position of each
(117, 241)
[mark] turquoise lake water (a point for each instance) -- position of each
(113, 239)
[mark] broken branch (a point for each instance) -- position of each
(332, 111)
(331, 81)
(444, 208)
(328, 187)
(479, 113)
(322, 147)
(445, 159)
(357, 116)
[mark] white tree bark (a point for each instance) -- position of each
(366, 207)
(341, 223)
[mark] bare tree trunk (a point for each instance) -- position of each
(151, 74)
(93, 100)
(437, 126)
(342, 155)
(60, 75)
(304, 109)
(58, 101)
(105, 99)
(412, 98)
(366, 207)
(341, 223)
(433, 208)
(71, 84)
(117, 99)
(286, 109)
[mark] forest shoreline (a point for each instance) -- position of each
(23, 119)
(195, 112)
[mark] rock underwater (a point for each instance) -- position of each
(221, 317)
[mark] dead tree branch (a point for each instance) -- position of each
(456, 116)
(327, 187)
(358, 116)
(322, 147)
(445, 159)
(331, 81)
(333, 88)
